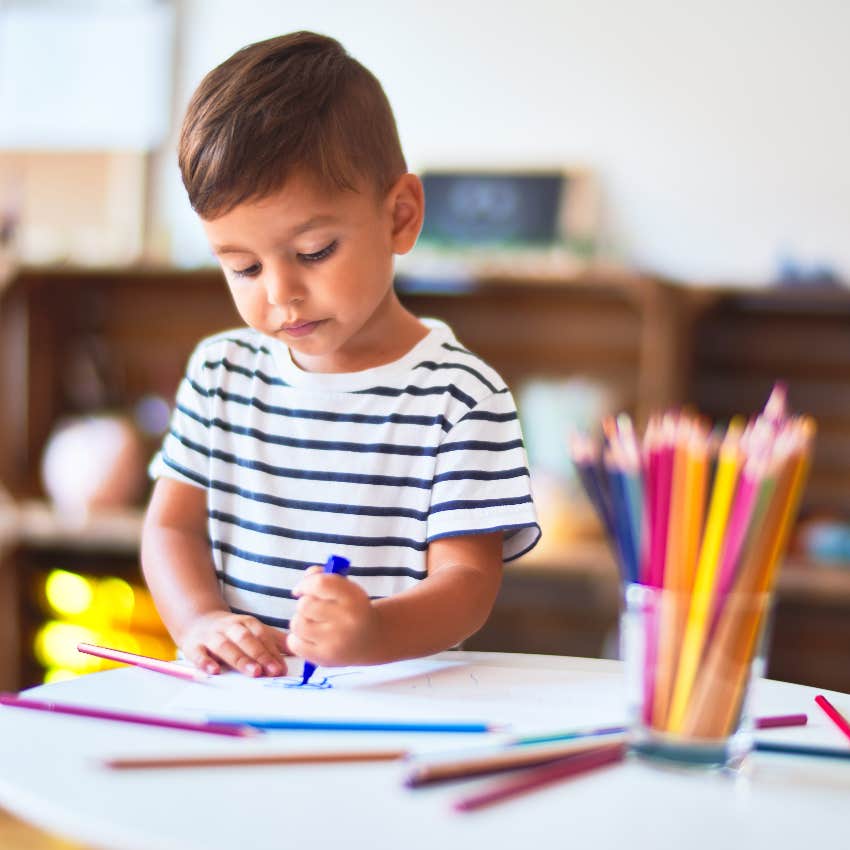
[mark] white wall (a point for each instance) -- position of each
(720, 128)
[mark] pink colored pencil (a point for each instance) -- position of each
(663, 486)
(834, 714)
(736, 531)
(534, 778)
(155, 664)
(15, 701)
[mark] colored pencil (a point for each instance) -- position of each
(168, 762)
(834, 714)
(781, 720)
(726, 667)
(211, 728)
(706, 545)
(662, 500)
(802, 750)
(533, 779)
(772, 721)
(335, 725)
(675, 599)
(704, 583)
(634, 485)
(566, 735)
(496, 761)
(158, 665)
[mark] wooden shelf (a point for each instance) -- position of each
(652, 343)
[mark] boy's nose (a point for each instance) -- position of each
(283, 286)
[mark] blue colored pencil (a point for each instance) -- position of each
(623, 525)
(803, 750)
(331, 725)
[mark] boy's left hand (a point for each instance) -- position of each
(335, 623)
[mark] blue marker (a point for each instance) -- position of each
(339, 566)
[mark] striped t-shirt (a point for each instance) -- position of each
(370, 465)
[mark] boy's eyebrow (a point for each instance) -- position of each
(310, 224)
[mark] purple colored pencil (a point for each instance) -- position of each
(539, 777)
(15, 701)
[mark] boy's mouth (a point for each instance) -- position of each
(299, 329)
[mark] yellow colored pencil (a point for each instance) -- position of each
(723, 491)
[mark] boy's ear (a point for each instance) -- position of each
(407, 207)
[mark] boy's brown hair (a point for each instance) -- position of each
(295, 102)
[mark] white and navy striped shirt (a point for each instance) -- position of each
(370, 465)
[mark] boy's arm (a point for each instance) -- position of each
(336, 624)
(454, 602)
(179, 571)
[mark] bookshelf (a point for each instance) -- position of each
(653, 342)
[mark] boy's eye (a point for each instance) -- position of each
(319, 255)
(250, 271)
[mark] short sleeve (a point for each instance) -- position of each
(185, 451)
(481, 481)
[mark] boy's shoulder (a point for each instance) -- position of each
(448, 354)
(449, 362)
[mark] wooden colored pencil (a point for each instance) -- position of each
(716, 702)
(588, 472)
(509, 758)
(244, 759)
(842, 753)
(169, 668)
(673, 596)
(634, 484)
(651, 455)
(208, 727)
(723, 490)
(533, 779)
(626, 544)
(781, 721)
(834, 715)
(754, 488)
(663, 487)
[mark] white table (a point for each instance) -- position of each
(50, 774)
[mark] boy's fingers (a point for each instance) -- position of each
(322, 584)
(233, 656)
(203, 660)
(256, 651)
(297, 646)
(270, 654)
(282, 639)
(316, 609)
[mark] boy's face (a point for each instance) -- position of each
(316, 270)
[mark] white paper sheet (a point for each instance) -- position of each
(436, 689)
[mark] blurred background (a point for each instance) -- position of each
(631, 206)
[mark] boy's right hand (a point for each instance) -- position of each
(238, 641)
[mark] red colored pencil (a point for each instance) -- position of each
(155, 664)
(15, 701)
(534, 778)
(834, 714)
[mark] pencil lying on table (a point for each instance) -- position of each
(539, 777)
(169, 668)
(15, 701)
(510, 758)
(131, 763)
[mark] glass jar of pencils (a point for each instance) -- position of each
(690, 661)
